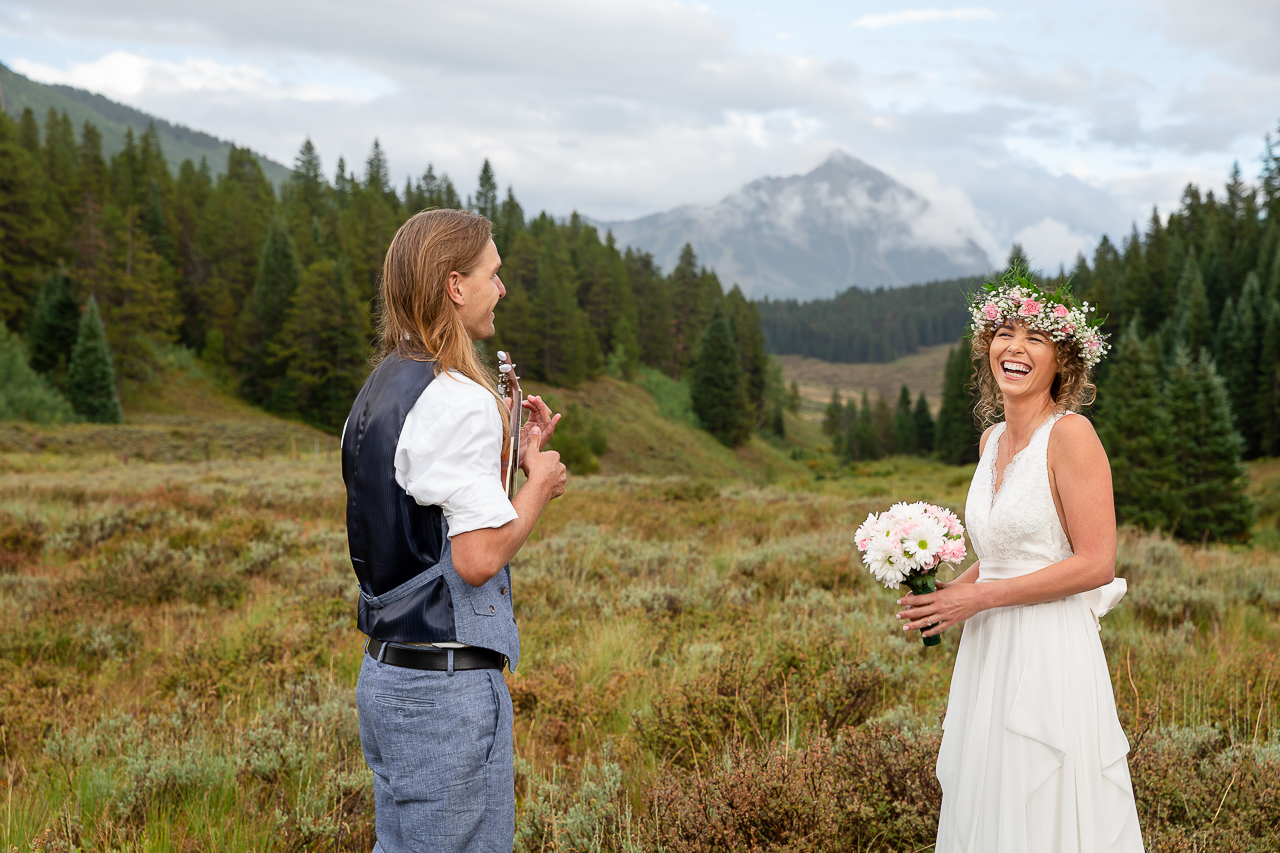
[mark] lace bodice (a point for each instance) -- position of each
(1019, 523)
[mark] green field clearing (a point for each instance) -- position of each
(922, 371)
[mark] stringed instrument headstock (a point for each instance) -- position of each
(509, 388)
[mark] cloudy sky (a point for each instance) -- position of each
(1045, 122)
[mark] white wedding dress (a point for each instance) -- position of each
(1033, 759)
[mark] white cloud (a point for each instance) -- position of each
(1244, 32)
(126, 76)
(925, 16)
(1049, 243)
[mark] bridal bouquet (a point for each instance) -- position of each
(907, 543)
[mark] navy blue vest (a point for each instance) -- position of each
(409, 590)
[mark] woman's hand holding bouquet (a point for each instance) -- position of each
(907, 543)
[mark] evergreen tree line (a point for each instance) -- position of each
(276, 289)
(866, 432)
(868, 325)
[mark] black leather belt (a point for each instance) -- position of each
(437, 660)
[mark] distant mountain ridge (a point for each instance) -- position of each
(844, 224)
(113, 119)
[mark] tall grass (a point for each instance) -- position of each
(705, 667)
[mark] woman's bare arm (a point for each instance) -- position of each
(1083, 477)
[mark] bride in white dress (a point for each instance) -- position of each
(1033, 759)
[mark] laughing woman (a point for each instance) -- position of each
(1033, 759)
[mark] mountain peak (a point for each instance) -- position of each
(843, 224)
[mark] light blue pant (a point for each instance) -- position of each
(440, 748)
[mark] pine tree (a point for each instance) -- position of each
(866, 435)
(91, 375)
(1267, 401)
(1017, 258)
(509, 223)
(1209, 493)
(25, 395)
(882, 418)
(486, 201)
(923, 419)
(793, 398)
(653, 310)
(848, 441)
(744, 323)
(29, 131)
(831, 416)
(323, 348)
(1240, 343)
(718, 400)
(904, 427)
(308, 180)
(377, 176)
(1136, 431)
(28, 239)
(567, 343)
(52, 326)
(694, 295)
(1194, 324)
(956, 435)
(264, 313)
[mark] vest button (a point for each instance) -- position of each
(502, 591)
(491, 610)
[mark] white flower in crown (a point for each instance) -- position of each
(1015, 295)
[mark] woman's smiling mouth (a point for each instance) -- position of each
(1015, 369)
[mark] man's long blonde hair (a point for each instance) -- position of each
(416, 318)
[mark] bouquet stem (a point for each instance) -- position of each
(923, 585)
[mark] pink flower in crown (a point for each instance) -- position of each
(1068, 329)
(1059, 310)
(1093, 344)
(1029, 307)
(991, 311)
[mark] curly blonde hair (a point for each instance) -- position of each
(1071, 390)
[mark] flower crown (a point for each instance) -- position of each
(1015, 295)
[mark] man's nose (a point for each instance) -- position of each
(502, 288)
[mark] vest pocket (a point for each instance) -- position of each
(486, 604)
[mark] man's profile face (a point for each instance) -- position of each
(476, 294)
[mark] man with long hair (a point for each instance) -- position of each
(432, 532)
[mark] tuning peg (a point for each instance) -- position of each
(504, 368)
(502, 356)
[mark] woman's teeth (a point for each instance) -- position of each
(1013, 368)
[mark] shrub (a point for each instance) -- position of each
(871, 788)
(589, 817)
(26, 395)
(151, 573)
(21, 540)
(580, 439)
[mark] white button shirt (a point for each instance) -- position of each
(450, 454)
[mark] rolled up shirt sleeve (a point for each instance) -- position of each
(449, 455)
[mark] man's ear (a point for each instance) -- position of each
(453, 286)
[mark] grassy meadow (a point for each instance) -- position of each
(705, 665)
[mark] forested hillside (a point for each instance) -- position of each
(868, 325)
(277, 289)
(113, 120)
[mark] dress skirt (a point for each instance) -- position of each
(1033, 759)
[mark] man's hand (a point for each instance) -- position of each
(543, 467)
(480, 554)
(540, 416)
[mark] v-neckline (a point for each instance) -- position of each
(998, 475)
